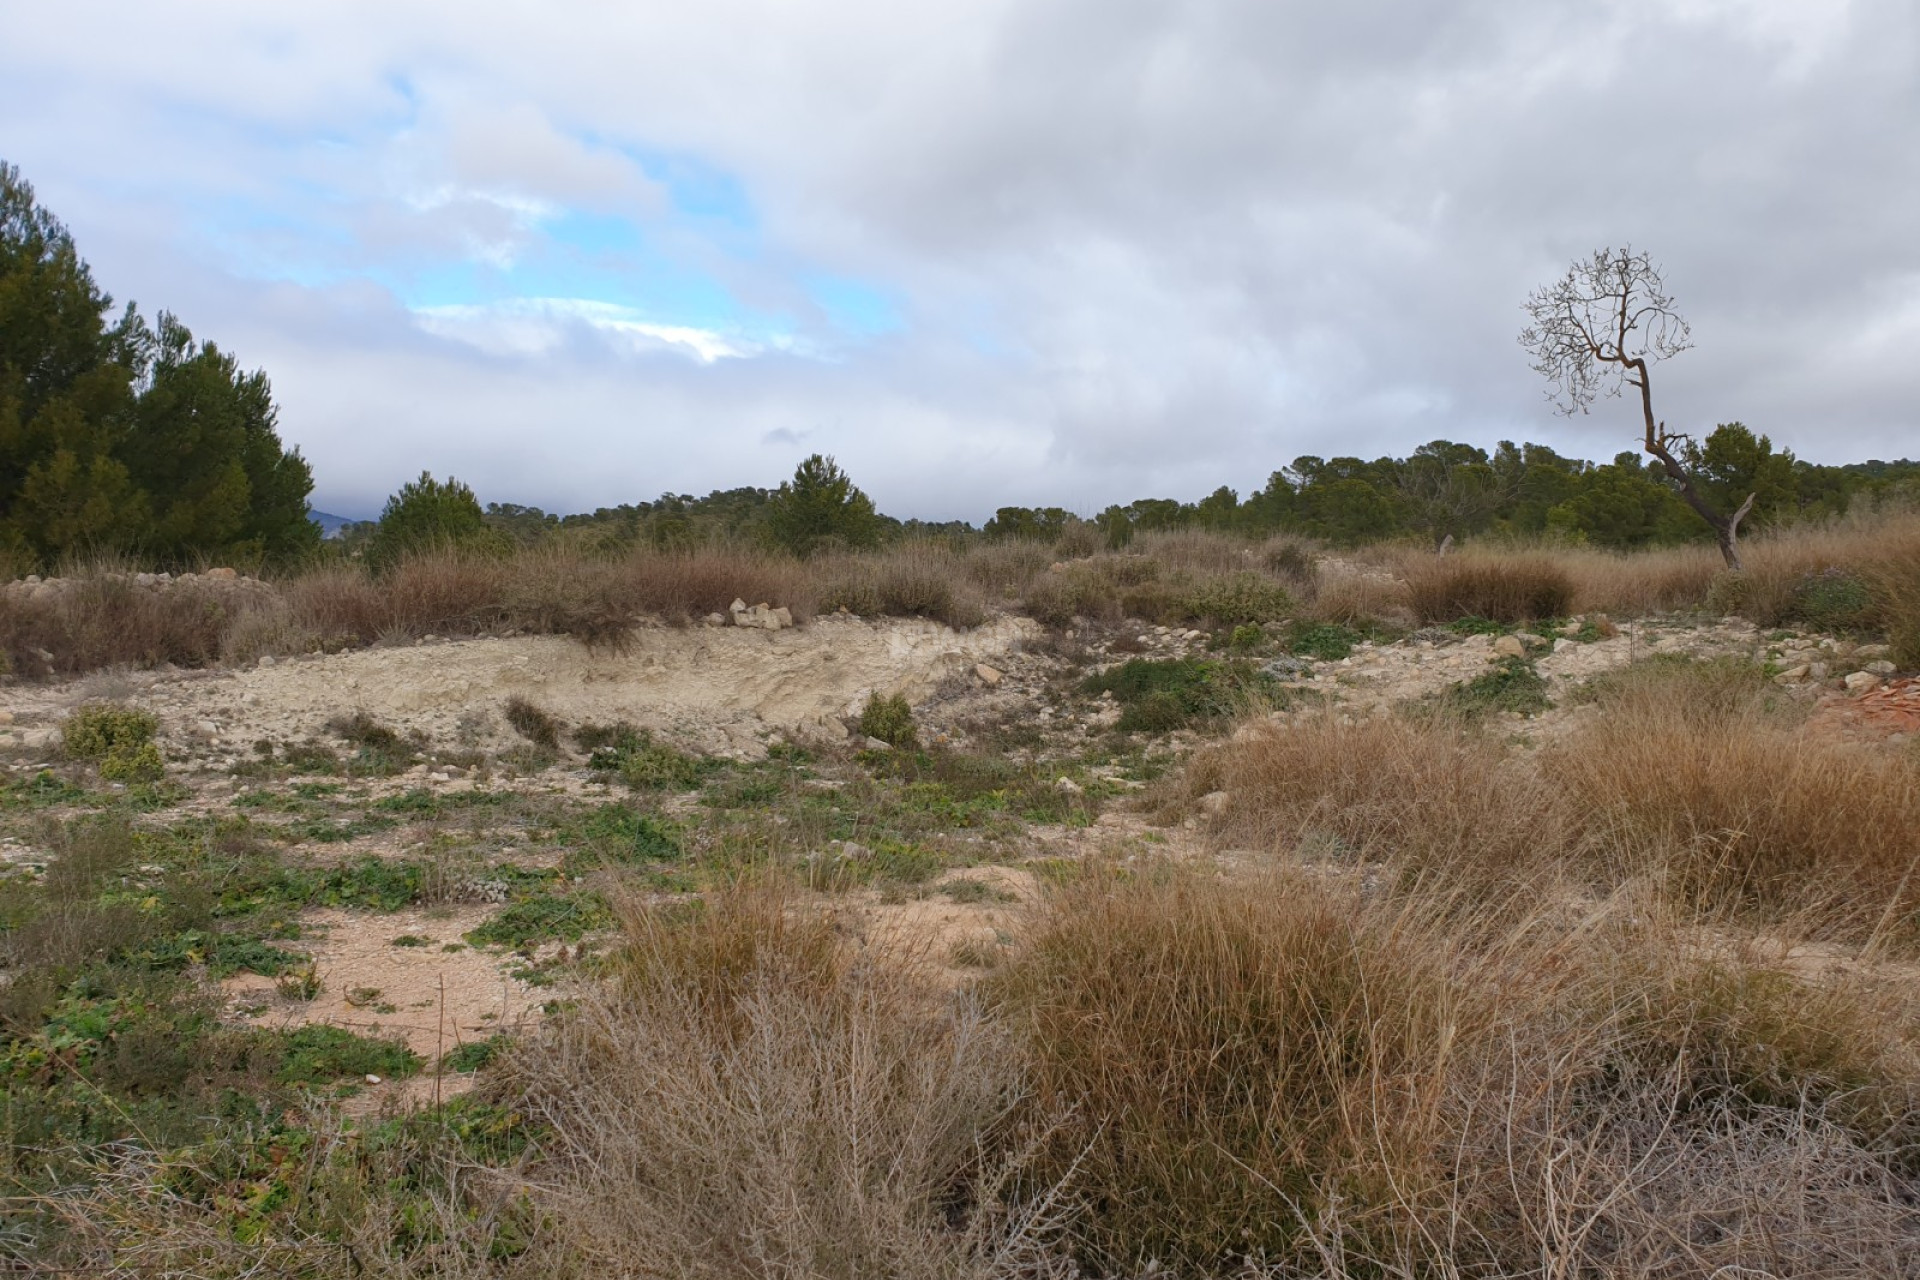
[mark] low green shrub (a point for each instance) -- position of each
(1237, 598)
(119, 739)
(890, 720)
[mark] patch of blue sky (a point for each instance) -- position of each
(855, 308)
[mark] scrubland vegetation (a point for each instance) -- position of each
(1404, 994)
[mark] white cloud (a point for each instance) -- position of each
(533, 327)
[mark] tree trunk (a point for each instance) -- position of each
(1726, 529)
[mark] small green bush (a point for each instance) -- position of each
(1832, 600)
(542, 918)
(472, 1057)
(101, 729)
(1325, 641)
(1512, 685)
(890, 720)
(317, 1054)
(642, 763)
(1157, 695)
(1237, 598)
(134, 764)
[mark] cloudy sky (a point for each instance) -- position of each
(984, 251)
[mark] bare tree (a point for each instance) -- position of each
(1599, 328)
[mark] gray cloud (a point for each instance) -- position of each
(1138, 246)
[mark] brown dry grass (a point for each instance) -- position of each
(1857, 575)
(742, 1100)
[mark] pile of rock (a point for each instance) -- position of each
(763, 616)
(34, 587)
(1860, 669)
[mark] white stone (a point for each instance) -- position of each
(1861, 681)
(1067, 786)
(989, 676)
(1880, 668)
(1215, 803)
(1509, 647)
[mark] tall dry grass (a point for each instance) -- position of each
(1696, 775)
(744, 1099)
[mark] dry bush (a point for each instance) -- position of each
(1634, 584)
(1006, 569)
(103, 619)
(742, 1100)
(683, 585)
(1503, 587)
(1695, 772)
(1433, 798)
(920, 580)
(1229, 1057)
(1360, 599)
(1196, 552)
(1303, 1079)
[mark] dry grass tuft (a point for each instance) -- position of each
(742, 1100)
(1229, 1057)
(1504, 588)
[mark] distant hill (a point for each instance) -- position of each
(330, 525)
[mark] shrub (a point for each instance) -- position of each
(98, 730)
(1511, 685)
(535, 725)
(740, 1101)
(1832, 600)
(143, 763)
(889, 719)
(640, 762)
(1171, 693)
(318, 1054)
(429, 515)
(1325, 641)
(1237, 598)
(1507, 588)
(1224, 1057)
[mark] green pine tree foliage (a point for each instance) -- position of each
(820, 508)
(115, 438)
(428, 515)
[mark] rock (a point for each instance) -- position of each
(1792, 675)
(989, 676)
(1868, 652)
(429, 638)
(785, 615)
(266, 659)
(220, 575)
(438, 775)
(715, 620)
(738, 606)
(855, 852)
(372, 1079)
(1067, 786)
(876, 744)
(1817, 671)
(6, 717)
(1880, 668)
(207, 729)
(1563, 644)
(1861, 681)
(1509, 647)
(1215, 803)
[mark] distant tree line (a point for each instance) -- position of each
(1441, 490)
(1444, 489)
(120, 436)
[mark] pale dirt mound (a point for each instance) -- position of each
(717, 689)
